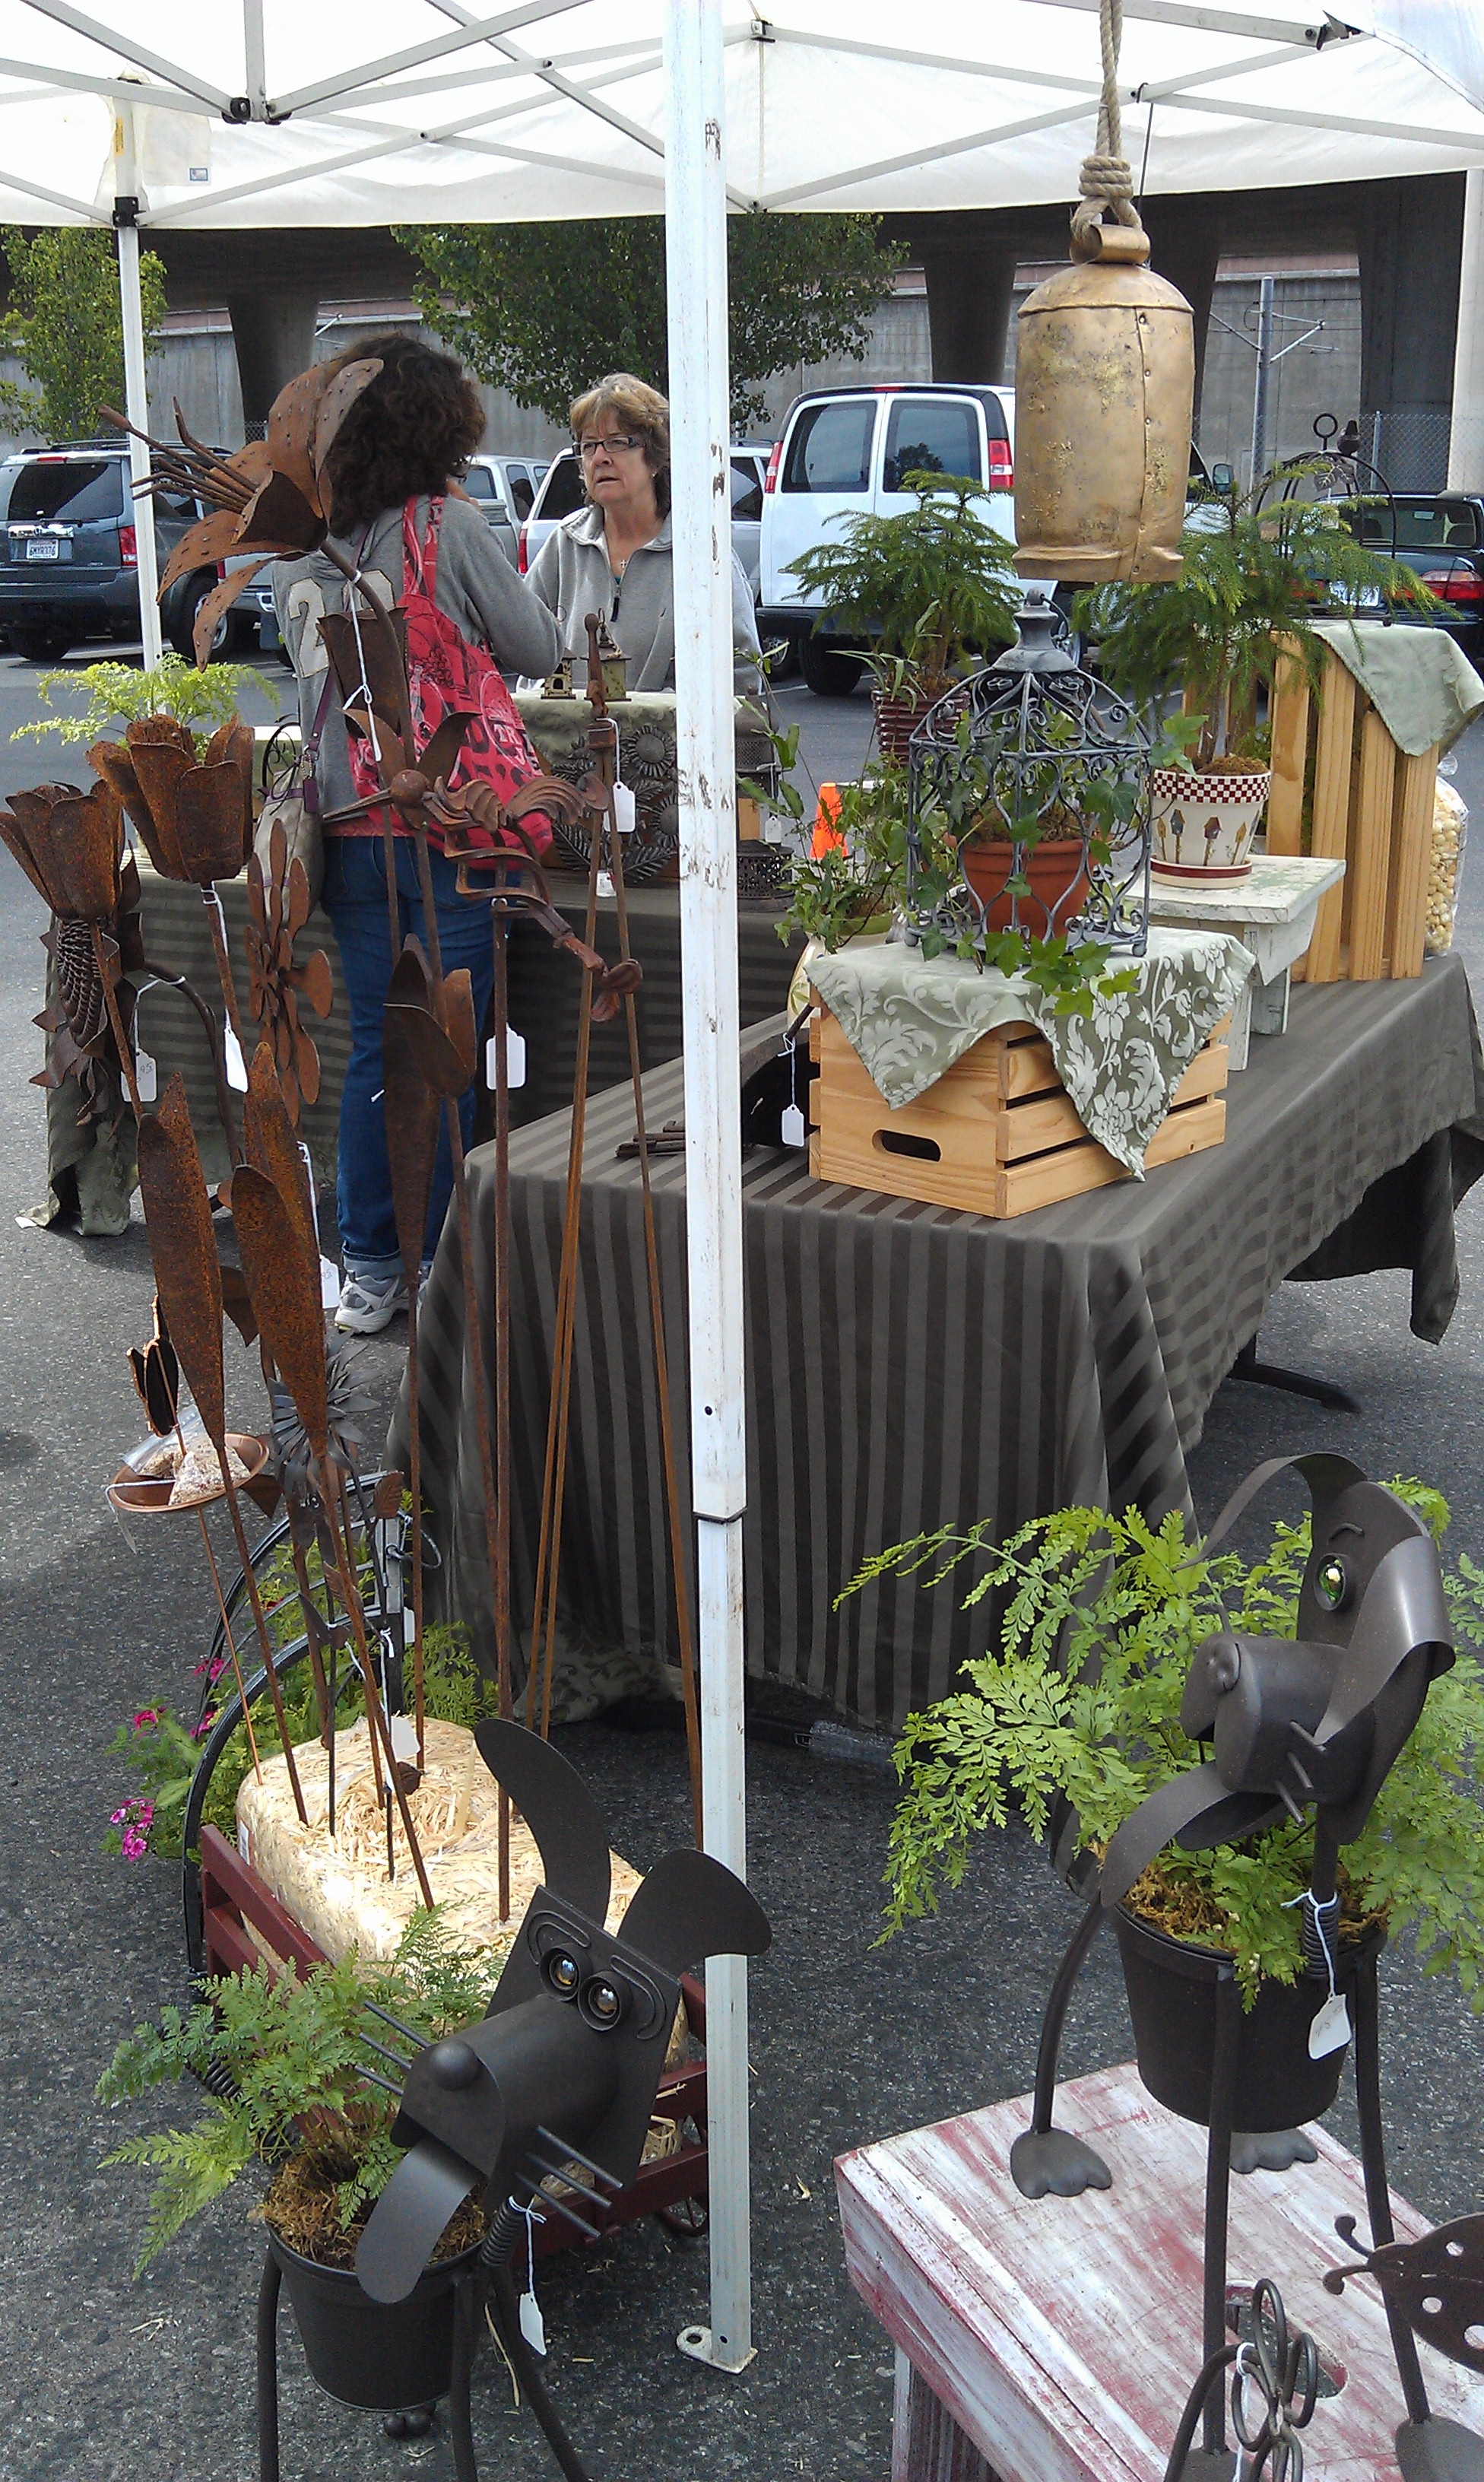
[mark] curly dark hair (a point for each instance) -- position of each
(410, 432)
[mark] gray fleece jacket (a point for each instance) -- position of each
(475, 585)
(572, 577)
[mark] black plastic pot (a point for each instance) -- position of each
(1172, 2000)
(377, 2355)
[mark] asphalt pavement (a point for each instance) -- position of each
(106, 2378)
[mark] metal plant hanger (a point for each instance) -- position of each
(558, 2078)
(1275, 2387)
(70, 844)
(1027, 751)
(1309, 1725)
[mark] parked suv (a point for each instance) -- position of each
(505, 489)
(1441, 535)
(563, 491)
(69, 567)
(847, 452)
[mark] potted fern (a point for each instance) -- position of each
(294, 2078)
(1254, 578)
(1072, 1716)
(926, 590)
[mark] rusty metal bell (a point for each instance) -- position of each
(1105, 386)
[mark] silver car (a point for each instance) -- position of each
(503, 489)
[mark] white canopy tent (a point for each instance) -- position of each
(259, 113)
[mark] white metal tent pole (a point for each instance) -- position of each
(696, 269)
(136, 398)
(1465, 432)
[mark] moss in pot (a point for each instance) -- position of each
(1072, 1716)
(1255, 577)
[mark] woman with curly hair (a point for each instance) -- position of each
(614, 556)
(393, 463)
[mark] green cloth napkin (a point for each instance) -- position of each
(910, 1018)
(1426, 692)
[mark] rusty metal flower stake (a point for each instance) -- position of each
(278, 906)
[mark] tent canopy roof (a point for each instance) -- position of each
(377, 112)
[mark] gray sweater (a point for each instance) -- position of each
(475, 585)
(572, 577)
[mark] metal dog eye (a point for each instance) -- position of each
(1332, 1584)
(602, 2004)
(562, 1973)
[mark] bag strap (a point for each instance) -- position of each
(308, 787)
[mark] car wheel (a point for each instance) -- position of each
(827, 672)
(41, 646)
(182, 628)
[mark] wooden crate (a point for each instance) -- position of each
(244, 1925)
(1337, 772)
(998, 1134)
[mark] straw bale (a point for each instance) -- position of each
(338, 1888)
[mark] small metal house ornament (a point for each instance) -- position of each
(1105, 388)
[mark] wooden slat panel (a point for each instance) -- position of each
(1290, 751)
(1331, 812)
(223, 1866)
(1406, 925)
(847, 1150)
(1371, 850)
(1013, 1060)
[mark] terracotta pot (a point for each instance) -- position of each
(1056, 872)
(1172, 2001)
(1204, 824)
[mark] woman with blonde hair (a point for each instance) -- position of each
(612, 557)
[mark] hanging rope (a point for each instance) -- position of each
(1106, 182)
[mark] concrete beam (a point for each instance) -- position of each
(1410, 240)
(1186, 242)
(969, 292)
(273, 333)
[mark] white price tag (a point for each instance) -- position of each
(532, 2326)
(330, 1284)
(1330, 2030)
(514, 1060)
(403, 1733)
(235, 1066)
(625, 810)
(145, 1076)
(791, 1130)
(605, 883)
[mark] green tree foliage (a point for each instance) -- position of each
(545, 310)
(65, 324)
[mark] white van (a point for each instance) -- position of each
(843, 452)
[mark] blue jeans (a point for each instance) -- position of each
(356, 901)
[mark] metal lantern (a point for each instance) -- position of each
(1105, 386)
(1039, 777)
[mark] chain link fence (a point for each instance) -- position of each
(1409, 445)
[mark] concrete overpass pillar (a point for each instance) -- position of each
(1409, 237)
(969, 289)
(1466, 436)
(1184, 246)
(273, 333)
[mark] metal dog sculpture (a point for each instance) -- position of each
(1309, 1724)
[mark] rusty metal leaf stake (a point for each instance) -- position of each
(283, 1278)
(188, 1279)
(278, 906)
(413, 1112)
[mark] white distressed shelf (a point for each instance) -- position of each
(1273, 912)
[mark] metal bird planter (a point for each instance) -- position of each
(1301, 1727)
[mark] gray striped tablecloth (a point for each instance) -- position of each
(908, 1364)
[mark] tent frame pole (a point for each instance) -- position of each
(1466, 429)
(136, 395)
(695, 267)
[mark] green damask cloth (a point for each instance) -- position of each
(1424, 690)
(910, 1018)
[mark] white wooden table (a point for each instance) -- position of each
(1057, 2339)
(1271, 911)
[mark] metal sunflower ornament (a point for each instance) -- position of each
(278, 906)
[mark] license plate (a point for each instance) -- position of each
(42, 547)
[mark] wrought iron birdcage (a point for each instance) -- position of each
(1029, 803)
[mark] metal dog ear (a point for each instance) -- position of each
(691, 1906)
(558, 1808)
(1326, 1474)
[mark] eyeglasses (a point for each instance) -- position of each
(588, 448)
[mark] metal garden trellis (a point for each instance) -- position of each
(403, 110)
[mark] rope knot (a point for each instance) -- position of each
(1107, 179)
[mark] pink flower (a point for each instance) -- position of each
(205, 1726)
(143, 1811)
(146, 1715)
(217, 1668)
(119, 1817)
(135, 1847)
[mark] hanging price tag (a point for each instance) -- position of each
(330, 1284)
(625, 810)
(514, 1060)
(403, 1733)
(605, 883)
(235, 1066)
(1330, 2030)
(532, 2326)
(145, 1076)
(792, 1129)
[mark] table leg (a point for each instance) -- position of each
(1269, 1004)
(928, 2445)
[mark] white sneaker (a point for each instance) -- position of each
(370, 1302)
